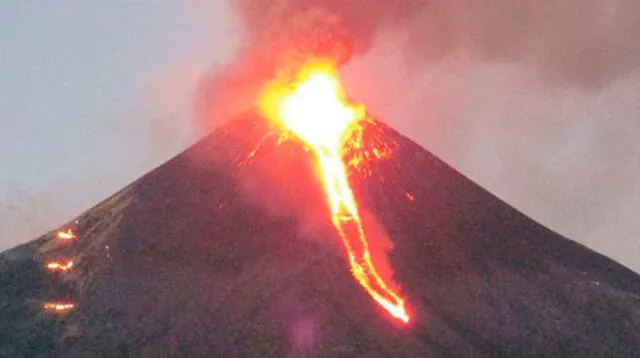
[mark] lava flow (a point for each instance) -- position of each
(315, 109)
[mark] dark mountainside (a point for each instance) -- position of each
(211, 255)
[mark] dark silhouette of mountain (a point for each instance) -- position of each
(214, 255)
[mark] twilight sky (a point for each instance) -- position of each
(95, 94)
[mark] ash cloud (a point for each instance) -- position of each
(587, 43)
(270, 27)
(584, 43)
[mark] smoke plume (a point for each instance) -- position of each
(586, 43)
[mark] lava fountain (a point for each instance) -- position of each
(312, 105)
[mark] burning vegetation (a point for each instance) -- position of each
(312, 107)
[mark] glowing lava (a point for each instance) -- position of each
(315, 109)
(66, 235)
(58, 266)
(59, 307)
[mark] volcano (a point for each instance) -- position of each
(227, 250)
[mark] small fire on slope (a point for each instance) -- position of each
(314, 108)
(66, 235)
(58, 307)
(59, 266)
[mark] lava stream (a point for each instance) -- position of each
(314, 108)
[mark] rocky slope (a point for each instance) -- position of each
(216, 255)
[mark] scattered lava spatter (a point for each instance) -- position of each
(314, 108)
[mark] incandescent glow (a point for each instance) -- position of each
(66, 235)
(315, 109)
(59, 266)
(319, 92)
(58, 307)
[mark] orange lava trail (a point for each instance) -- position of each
(315, 109)
(346, 219)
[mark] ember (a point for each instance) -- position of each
(315, 109)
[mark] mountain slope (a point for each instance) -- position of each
(220, 252)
